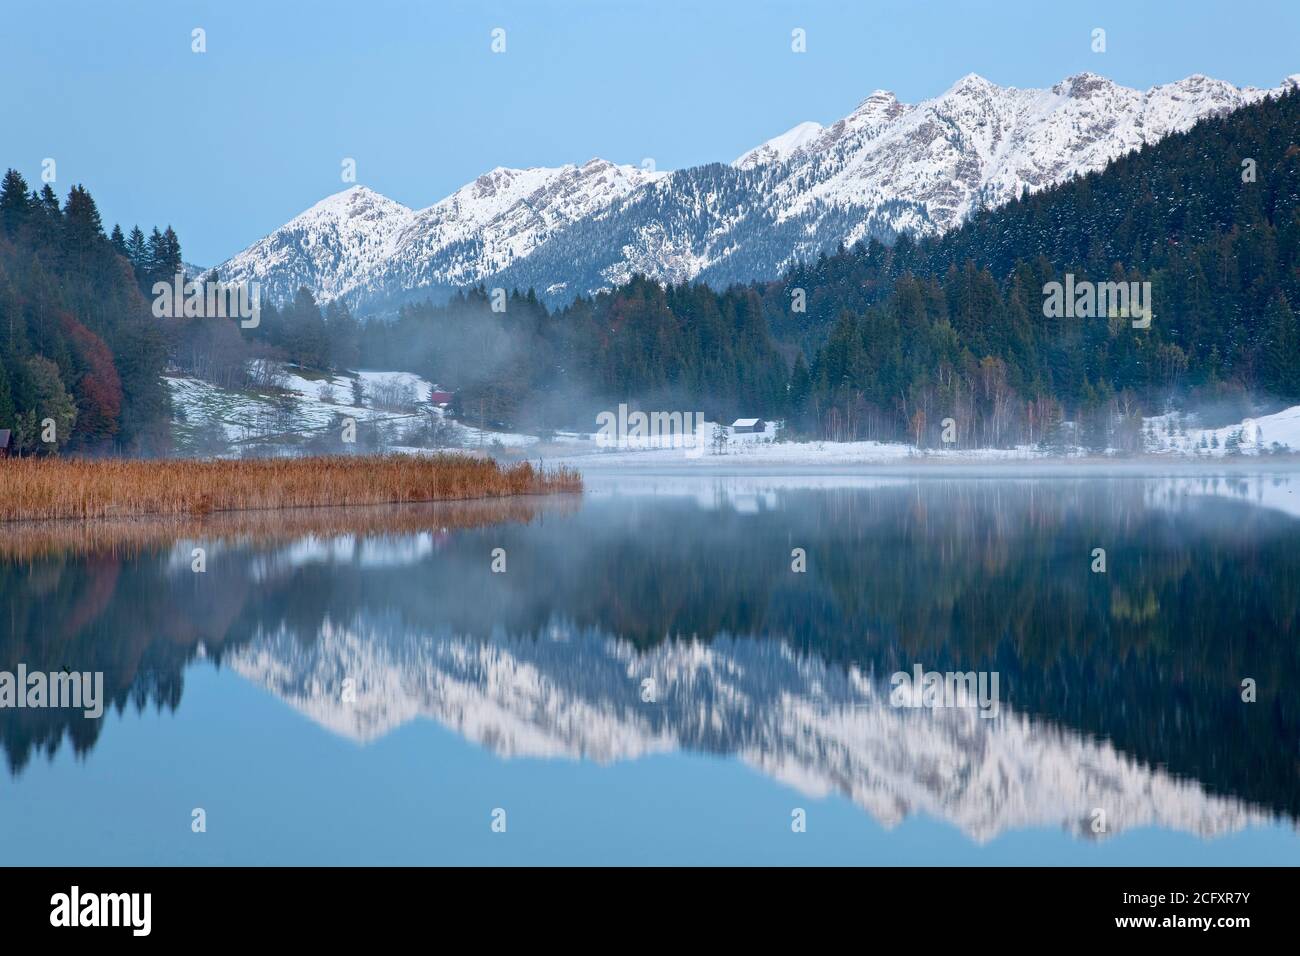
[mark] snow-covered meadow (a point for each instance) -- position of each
(1170, 437)
(301, 404)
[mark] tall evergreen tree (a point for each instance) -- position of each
(14, 202)
(82, 228)
(137, 250)
(155, 259)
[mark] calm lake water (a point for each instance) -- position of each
(649, 681)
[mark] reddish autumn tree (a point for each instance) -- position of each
(97, 388)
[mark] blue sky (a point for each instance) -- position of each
(229, 144)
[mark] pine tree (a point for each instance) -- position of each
(171, 253)
(82, 228)
(14, 202)
(343, 335)
(44, 220)
(49, 202)
(304, 331)
(163, 258)
(155, 260)
(137, 250)
(1282, 349)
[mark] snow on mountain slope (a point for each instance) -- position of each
(780, 148)
(356, 244)
(502, 216)
(983, 144)
(886, 168)
(817, 728)
(330, 248)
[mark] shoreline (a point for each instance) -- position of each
(1091, 467)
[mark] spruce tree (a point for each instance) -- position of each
(1282, 349)
(170, 253)
(343, 334)
(155, 260)
(14, 202)
(82, 228)
(44, 220)
(49, 202)
(137, 250)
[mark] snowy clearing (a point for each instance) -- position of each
(301, 404)
(1172, 436)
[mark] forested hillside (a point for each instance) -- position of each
(80, 345)
(955, 327)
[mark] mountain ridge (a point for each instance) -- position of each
(884, 169)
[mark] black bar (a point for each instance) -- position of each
(334, 905)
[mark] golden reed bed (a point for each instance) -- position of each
(43, 489)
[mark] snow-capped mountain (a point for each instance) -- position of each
(886, 168)
(501, 217)
(981, 144)
(360, 246)
(331, 248)
(816, 728)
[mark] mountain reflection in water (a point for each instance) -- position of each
(1119, 691)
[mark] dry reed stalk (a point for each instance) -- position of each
(55, 488)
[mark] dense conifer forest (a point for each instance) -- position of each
(80, 345)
